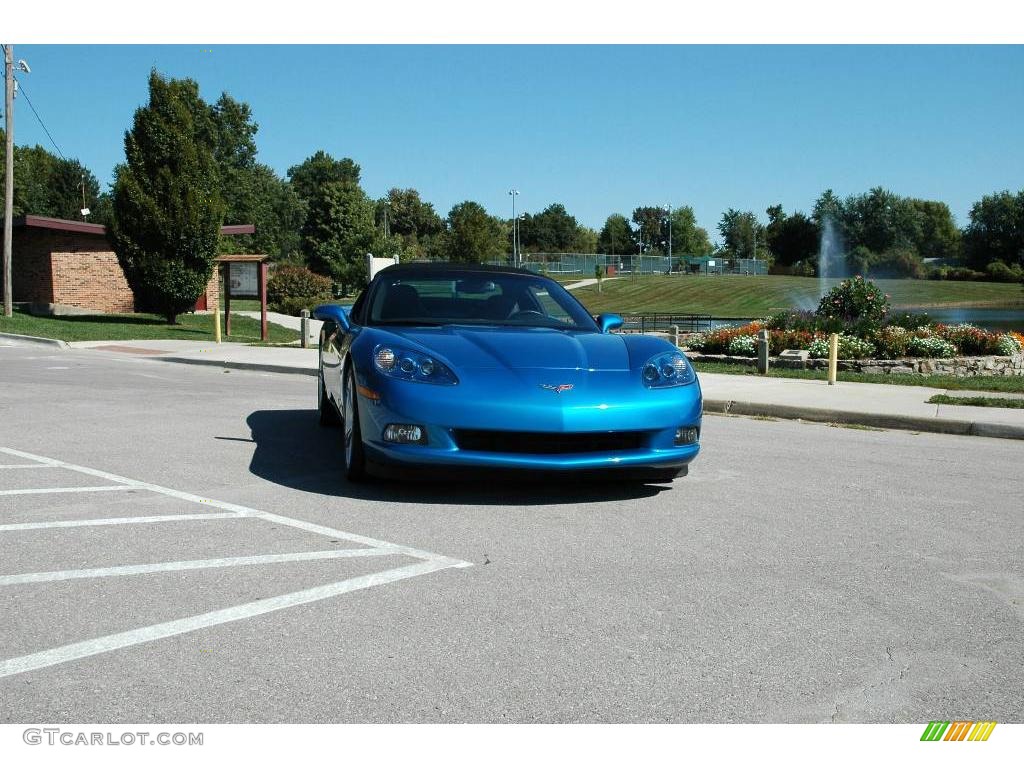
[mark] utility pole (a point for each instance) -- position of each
(8, 173)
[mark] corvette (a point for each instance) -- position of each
(445, 366)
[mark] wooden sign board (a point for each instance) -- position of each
(243, 279)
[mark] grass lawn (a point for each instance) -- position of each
(975, 383)
(756, 296)
(139, 326)
(985, 402)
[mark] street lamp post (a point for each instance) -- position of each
(515, 229)
(668, 210)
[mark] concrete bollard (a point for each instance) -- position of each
(762, 351)
(675, 334)
(833, 357)
(305, 328)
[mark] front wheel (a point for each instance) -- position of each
(355, 457)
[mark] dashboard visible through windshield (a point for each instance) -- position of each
(458, 298)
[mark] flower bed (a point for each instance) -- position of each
(871, 339)
(963, 367)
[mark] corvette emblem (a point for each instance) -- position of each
(557, 388)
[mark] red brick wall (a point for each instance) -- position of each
(91, 280)
(31, 278)
(80, 270)
(213, 289)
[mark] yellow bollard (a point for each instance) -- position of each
(833, 357)
(216, 308)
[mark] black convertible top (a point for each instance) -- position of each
(440, 267)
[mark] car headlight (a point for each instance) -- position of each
(407, 365)
(669, 369)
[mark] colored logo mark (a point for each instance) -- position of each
(958, 730)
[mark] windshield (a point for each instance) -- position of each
(474, 298)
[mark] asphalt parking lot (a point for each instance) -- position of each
(177, 544)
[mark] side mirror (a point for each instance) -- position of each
(609, 322)
(333, 313)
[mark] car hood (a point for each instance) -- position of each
(467, 347)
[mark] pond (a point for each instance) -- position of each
(990, 318)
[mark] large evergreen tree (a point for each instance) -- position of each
(167, 204)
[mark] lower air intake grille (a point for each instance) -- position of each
(547, 442)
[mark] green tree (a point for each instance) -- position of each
(474, 235)
(616, 236)
(996, 230)
(412, 223)
(339, 232)
(48, 185)
(793, 238)
(651, 226)
(585, 241)
(318, 169)
(552, 230)
(940, 237)
(687, 238)
(743, 235)
(167, 205)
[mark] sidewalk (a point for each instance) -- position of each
(887, 406)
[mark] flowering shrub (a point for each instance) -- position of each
(930, 346)
(969, 339)
(1010, 344)
(854, 299)
(717, 342)
(780, 340)
(743, 346)
(892, 341)
(850, 347)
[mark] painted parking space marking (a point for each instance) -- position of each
(430, 563)
(118, 521)
(74, 651)
(68, 489)
(189, 565)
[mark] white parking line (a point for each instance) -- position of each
(114, 642)
(69, 489)
(119, 521)
(374, 547)
(189, 565)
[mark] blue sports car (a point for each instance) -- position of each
(445, 366)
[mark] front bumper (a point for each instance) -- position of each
(657, 416)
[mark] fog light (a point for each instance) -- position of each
(404, 433)
(686, 435)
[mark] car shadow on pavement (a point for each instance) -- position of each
(294, 451)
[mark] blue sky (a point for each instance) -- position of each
(600, 129)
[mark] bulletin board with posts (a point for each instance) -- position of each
(244, 276)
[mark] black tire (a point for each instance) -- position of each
(355, 456)
(328, 413)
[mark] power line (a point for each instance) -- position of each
(21, 89)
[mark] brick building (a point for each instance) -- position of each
(60, 263)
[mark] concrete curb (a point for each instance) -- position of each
(882, 421)
(240, 366)
(35, 340)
